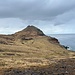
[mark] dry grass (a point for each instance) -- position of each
(28, 49)
(36, 52)
(36, 48)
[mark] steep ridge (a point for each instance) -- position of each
(32, 32)
(29, 33)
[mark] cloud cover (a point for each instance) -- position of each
(49, 15)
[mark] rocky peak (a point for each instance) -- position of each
(33, 31)
(30, 31)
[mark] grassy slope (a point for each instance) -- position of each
(36, 52)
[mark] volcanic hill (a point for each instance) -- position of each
(21, 53)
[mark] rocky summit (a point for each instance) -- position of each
(30, 31)
(31, 52)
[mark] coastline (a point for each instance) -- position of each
(66, 40)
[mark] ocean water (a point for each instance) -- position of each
(66, 39)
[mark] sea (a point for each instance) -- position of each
(66, 39)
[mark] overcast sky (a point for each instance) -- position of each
(51, 16)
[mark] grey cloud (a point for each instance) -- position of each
(47, 10)
(64, 18)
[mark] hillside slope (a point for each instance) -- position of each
(30, 48)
